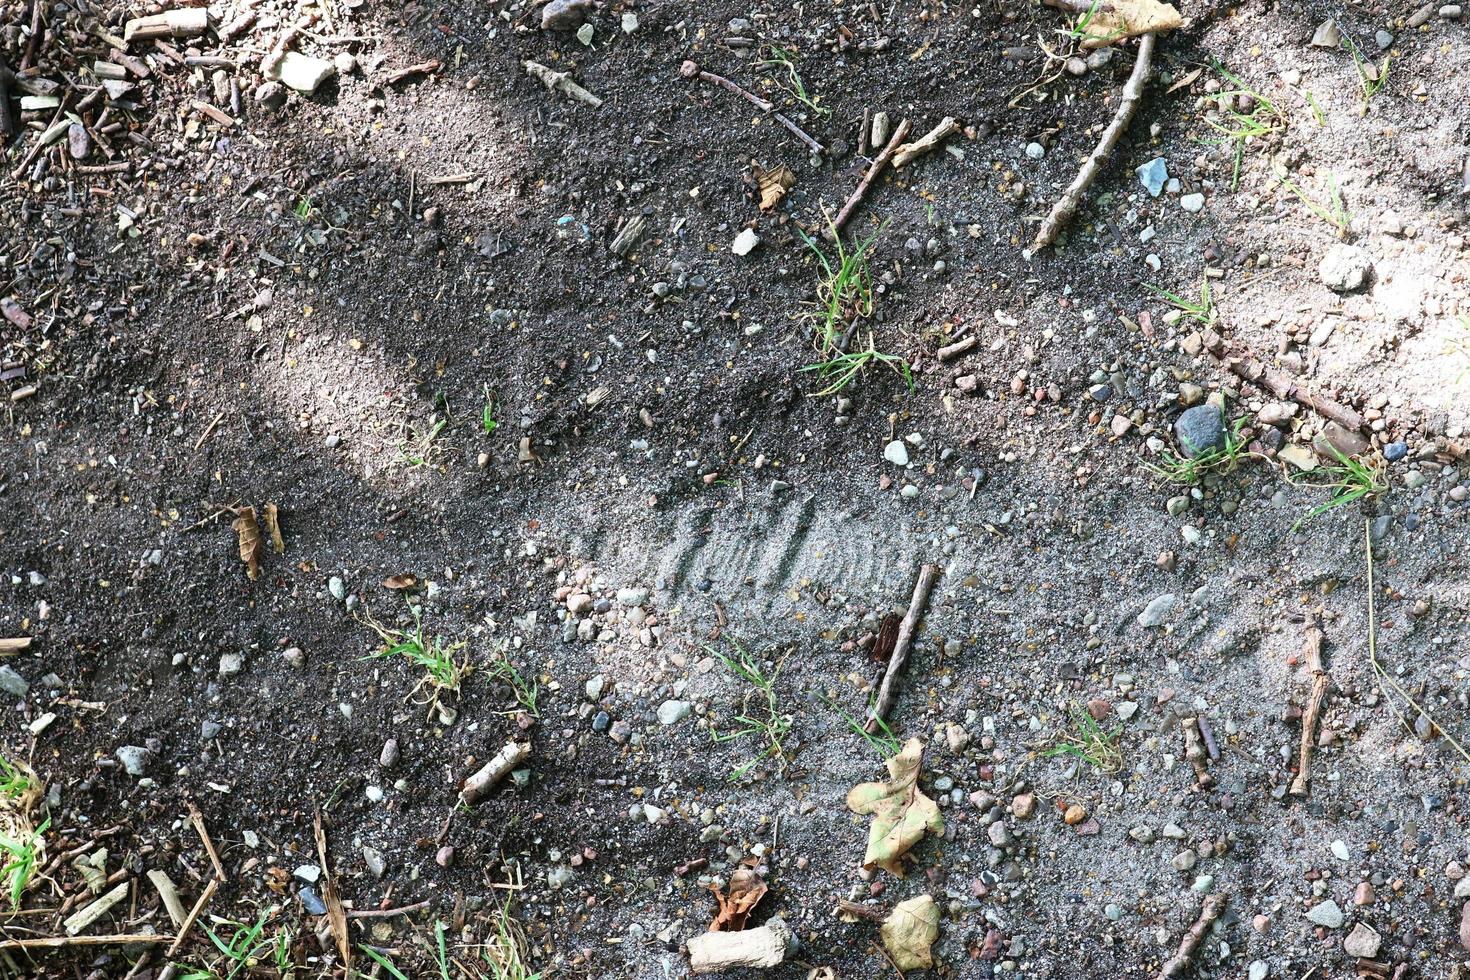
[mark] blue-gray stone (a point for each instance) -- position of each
(1153, 175)
(601, 721)
(1200, 430)
(1395, 451)
(310, 901)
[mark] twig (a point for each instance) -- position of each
(41, 144)
(946, 128)
(894, 142)
(876, 913)
(1213, 908)
(14, 644)
(1067, 206)
(7, 120)
(1194, 751)
(422, 68)
(60, 942)
(1312, 653)
(204, 898)
(887, 691)
(689, 69)
(494, 771)
(957, 348)
(1281, 384)
(208, 431)
(387, 913)
(560, 81)
(198, 820)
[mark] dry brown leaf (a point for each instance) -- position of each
(746, 890)
(400, 582)
(910, 931)
(901, 813)
(248, 531)
(336, 915)
(1187, 80)
(1116, 20)
(774, 184)
(273, 526)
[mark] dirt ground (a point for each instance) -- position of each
(323, 305)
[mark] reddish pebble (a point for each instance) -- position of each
(1076, 813)
(1099, 708)
(1024, 805)
(876, 888)
(1364, 894)
(445, 857)
(1261, 923)
(1465, 926)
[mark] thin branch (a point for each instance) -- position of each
(894, 142)
(1063, 211)
(888, 690)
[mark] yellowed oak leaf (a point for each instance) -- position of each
(909, 933)
(902, 814)
(1114, 20)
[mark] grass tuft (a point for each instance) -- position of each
(444, 670)
(525, 691)
(764, 721)
(1202, 312)
(784, 60)
(1348, 480)
(883, 741)
(1190, 470)
(1089, 742)
(1334, 212)
(844, 297)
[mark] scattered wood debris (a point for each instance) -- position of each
(690, 69)
(1196, 753)
(560, 81)
(430, 67)
(1312, 654)
(929, 141)
(1212, 909)
(759, 949)
(856, 198)
(492, 772)
(94, 911)
(888, 690)
(179, 22)
(959, 347)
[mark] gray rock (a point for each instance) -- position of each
(1326, 914)
(231, 664)
(1327, 35)
(1200, 430)
(1362, 941)
(134, 759)
(673, 712)
(1158, 610)
(389, 756)
(209, 729)
(1345, 268)
(1193, 203)
(337, 587)
(564, 15)
(294, 657)
(896, 453)
(12, 683)
(631, 597)
(271, 95)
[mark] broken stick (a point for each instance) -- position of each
(888, 690)
(1213, 908)
(1195, 752)
(1067, 206)
(946, 128)
(894, 142)
(689, 69)
(560, 81)
(494, 771)
(760, 948)
(1312, 653)
(1280, 384)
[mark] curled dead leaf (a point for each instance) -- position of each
(774, 184)
(399, 582)
(901, 812)
(273, 527)
(746, 890)
(248, 531)
(910, 931)
(1116, 20)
